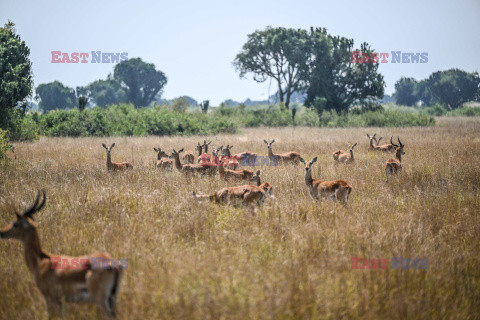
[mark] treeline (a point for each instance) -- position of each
(450, 89)
(163, 120)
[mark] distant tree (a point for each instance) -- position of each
(421, 92)
(105, 92)
(404, 91)
(334, 82)
(55, 95)
(275, 53)
(141, 80)
(454, 87)
(82, 102)
(15, 76)
(204, 106)
(231, 103)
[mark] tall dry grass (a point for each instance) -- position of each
(291, 260)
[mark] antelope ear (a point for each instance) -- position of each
(273, 141)
(113, 145)
(174, 151)
(303, 160)
(354, 145)
(265, 141)
(258, 172)
(103, 144)
(181, 150)
(368, 136)
(155, 149)
(313, 160)
(379, 139)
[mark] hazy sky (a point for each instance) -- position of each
(195, 42)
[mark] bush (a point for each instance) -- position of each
(5, 146)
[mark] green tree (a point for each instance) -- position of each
(55, 95)
(141, 80)
(454, 87)
(334, 81)
(105, 92)
(275, 53)
(204, 106)
(15, 77)
(421, 92)
(404, 91)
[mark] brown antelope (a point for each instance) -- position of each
(232, 161)
(115, 166)
(336, 190)
(204, 156)
(394, 166)
(65, 278)
(163, 161)
(267, 187)
(192, 168)
(346, 157)
(376, 147)
(188, 157)
(246, 158)
(282, 158)
(385, 147)
(248, 195)
(233, 175)
(337, 154)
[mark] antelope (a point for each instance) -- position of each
(59, 278)
(267, 187)
(191, 168)
(232, 160)
(204, 156)
(336, 190)
(188, 157)
(232, 175)
(246, 158)
(346, 157)
(292, 157)
(337, 154)
(115, 166)
(385, 147)
(376, 147)
(394, 166)
(163, 161)
(249, 195)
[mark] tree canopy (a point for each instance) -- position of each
(404, 91)
(105, 92)
(140, 79)
(55, 95)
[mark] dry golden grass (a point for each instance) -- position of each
(291, 260)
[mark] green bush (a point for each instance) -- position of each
(5, 146)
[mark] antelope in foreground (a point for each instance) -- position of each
(345, 157)
(248, 195)
(191, 168)
(163, 161)
(336, 190)
(376, 147)
(282, 158)
(59, 278)
(115, 166)
(394, 166)
(233, 175)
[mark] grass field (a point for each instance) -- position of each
(291, 260)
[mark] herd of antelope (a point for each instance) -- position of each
(100, 285)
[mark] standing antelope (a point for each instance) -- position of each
(394, 166)
(337, 190)
(233, 175)
(346, 157)
(115, 166)
(282, 158)
(163, 161)
(59, 278)
(204, 156)
(192, 168)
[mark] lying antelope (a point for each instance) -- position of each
(163, 161)
(59, 278)
(282, 158)
(191, 168)
(233, 175)
(267, 187)
(346, 157)
(232, 161)
(115, 166)
(248, 195)
(338, 153)
(385, 147)
(376, 147)
(394, 166)
(337, 190)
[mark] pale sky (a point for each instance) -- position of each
(195, 42)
